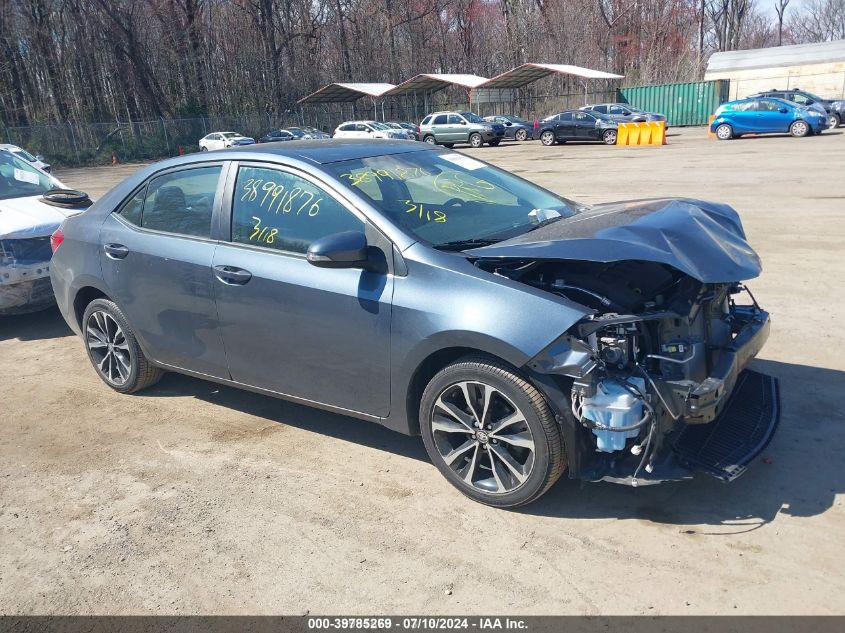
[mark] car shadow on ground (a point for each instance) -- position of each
(799, 474)
(280, 411)
(35, 326)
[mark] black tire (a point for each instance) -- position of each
(475, 140)
(430, 140)
(513, 393)
(724, 132)
(547, 138)
(521, 135)
(203, 149)
(494, 143)
(141, 373)
(609, 137)
(799, 128)
(448, 145)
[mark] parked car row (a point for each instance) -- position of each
(795, 111)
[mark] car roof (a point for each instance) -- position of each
(321, 152)
(9, 146)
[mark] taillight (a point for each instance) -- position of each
(56, 239)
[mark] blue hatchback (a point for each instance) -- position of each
(765, 116)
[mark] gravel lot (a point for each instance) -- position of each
(196, 498)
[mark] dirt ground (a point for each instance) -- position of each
(195, 498)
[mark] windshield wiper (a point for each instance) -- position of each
(459, 245)
(545, 222)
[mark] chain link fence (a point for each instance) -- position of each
(84, 144)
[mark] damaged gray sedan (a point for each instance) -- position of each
(521, 334)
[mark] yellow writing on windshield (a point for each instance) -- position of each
(424, 212)
(360, 177)
(465, 187)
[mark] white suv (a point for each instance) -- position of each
(368, 129)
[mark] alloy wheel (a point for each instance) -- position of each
(610, 137)
(548, 138)
(833, 122)
(723, 132)
(521, 135)
(108, 347)
(483, 437)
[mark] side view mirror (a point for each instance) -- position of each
(783, 110)
(509, 124)
(339, 250)
(39, 157)
(462, 122)
(626, 113)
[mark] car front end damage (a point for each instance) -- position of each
(25, 274)
(26, 225)
(654, 384)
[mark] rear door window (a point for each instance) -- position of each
(179, 202)
(601, 109)
(440, 119)
(280, 210)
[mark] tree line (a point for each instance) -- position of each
(119, 60)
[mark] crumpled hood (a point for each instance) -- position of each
(29, 217)
(705, 240)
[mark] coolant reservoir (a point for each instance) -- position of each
(616, 407)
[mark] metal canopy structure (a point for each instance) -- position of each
(529, 73)
(776, 56)
(432, 82)
(346, 92)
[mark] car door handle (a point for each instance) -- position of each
(232, 275)
(115, 251)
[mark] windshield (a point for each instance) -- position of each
(377, 125)
(515, 119)
(26, 155)
(229, 134)
(445, 197)
(812, 96)
(19, 179)
(472, 117)
(295, 131)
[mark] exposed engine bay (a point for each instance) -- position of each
(662, 351)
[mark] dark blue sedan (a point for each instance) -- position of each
(766, 116)
(515, 128)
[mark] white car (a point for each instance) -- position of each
(27, 222)
(37, 160)
(367, 129)
(223, 140)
